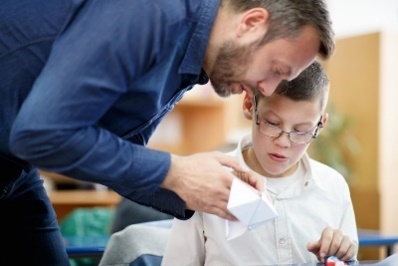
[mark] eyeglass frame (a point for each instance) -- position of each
(318, 126)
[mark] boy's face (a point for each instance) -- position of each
(277, 157)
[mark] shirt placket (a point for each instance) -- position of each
(282, 234)
(283, 241)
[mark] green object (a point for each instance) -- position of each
(87, 222)
(336, 145)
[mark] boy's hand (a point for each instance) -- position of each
(333, 243)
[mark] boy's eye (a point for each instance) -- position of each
(301, 131)
(275, 124)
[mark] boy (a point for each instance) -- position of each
(316, 217)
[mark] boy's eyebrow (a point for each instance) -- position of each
(310, 123)
(305, 123)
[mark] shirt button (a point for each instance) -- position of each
(282, 241)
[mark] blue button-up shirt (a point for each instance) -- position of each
(114, 71)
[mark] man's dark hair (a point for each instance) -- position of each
(288, 17)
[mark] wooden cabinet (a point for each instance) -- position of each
(364, 77)
(64, 202)
(200, 122)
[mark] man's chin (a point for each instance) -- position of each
(223, 91)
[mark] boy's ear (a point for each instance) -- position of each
(248, 107)
(325, 118)
(253, 24)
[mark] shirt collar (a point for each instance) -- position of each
(243, 145)
(311, 177)
(194, 56)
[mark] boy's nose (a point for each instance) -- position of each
(283, 140)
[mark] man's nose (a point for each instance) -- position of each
(267, 87)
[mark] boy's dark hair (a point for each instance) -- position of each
(312, 83)
(288, 17)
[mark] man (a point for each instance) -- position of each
(85, 83)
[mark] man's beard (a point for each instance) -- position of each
(230, 66)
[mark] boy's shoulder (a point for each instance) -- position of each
(330, 181)
(325, 174)
(317, 165)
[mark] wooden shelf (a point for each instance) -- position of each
(65, 202)
(200, 124)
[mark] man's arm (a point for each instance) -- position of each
(100, 51)
(89, 69)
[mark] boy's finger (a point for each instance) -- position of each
(313, 247)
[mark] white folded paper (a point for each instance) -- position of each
(251, 207)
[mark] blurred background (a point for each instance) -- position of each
(360, 140)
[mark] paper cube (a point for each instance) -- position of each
(250, 206)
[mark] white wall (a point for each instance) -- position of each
(355, 17)
(388, 150)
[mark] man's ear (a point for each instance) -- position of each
(248, 107)
(254, 23)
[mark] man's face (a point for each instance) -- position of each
(260, 69)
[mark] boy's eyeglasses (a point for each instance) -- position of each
(273, 131)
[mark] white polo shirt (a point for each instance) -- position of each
(314, 197)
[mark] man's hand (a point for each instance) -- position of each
(204, 182)
(333, 243)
